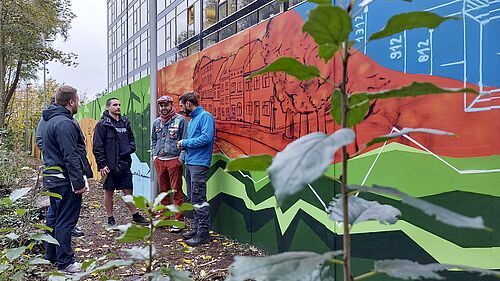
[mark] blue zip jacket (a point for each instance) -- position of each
(199, 144)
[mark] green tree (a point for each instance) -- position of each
(24, 27)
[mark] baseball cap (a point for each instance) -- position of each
(165, 99)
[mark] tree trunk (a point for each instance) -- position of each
(3, 104)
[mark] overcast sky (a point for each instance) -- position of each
(87, 38)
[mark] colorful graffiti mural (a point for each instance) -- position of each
(135, 104)
(265, 113)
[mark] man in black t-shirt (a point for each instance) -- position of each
(112, 147)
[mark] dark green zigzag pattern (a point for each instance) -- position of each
(477, 204)
(305, 233)
(323, 186)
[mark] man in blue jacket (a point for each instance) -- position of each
(65, 173)
(199, 146)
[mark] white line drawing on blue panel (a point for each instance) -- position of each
(480, 12)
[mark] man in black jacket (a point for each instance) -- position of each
(77, 232)
(66, 171)
(112, 147)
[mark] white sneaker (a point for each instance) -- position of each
(175, 229)
(75, 267)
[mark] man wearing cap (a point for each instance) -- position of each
(166, 131)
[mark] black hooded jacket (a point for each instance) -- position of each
(63, 148)
(106, 146)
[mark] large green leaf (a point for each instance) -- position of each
(139, 201)
(160, 197)
(18, 194)
(163, 223)
(365, 3)
(186, 207)
(290, 266)
(6, 229)
(19, 276)
(321, 2)
(52, 194)
(250, 163)
(113, 264)
(132, 232)
(411, 20)
(89, 265)
(12, 236)
(3, 267)
(291, 67)
(43, 227)
(358, 107)
(139, 253)
(36, 261)
(329, 26)
(414, 90)
(44, 237)
(305, 160)
(410, 270)
(14, 253)
(361, 210)
(169, 274)
(21, 212)
(406, 131)
(441, 214)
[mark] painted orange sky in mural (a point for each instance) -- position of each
(264, 114)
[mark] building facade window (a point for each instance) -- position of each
(209, 13)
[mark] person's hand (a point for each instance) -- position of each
(179, 144)
(87, 187)
(82, 190)
(104, 171)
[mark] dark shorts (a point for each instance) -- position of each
(118, 181)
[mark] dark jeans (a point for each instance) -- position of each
(62, 217)
(196, 181)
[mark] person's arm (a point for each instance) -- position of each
(39, 129)
(131, 138)
(98, 146)
(207, 133)
(183, 129)
(67, 134)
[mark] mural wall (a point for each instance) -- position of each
(265, 113)
(134, 100)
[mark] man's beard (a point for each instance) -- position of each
(187, 112)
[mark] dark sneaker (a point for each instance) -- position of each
(198, 240)
(189, 234)
(139, 219)
(77, 232)
(111, 222)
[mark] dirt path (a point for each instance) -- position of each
(206, 262)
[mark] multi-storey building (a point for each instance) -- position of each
(184, 27)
